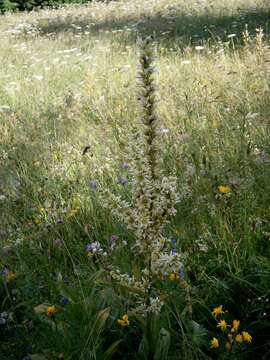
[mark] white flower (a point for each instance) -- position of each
(5, 109)
(185, 62)
(38, 77)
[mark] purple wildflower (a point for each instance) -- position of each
(65, 301)
(93, 184)
(122, 181)
(93, 248)
(182, 272)
(174, 251)
(125, 165)
(114, 238)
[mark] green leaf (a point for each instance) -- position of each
(41, 309)
(199, 332)
(37, 357)
(163, 345)
(100, 321)
(111, 350)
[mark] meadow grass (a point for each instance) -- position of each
(68, 82)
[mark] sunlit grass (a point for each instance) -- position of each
(68, 81)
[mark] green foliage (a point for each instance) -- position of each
(22, 5)
(68, 84)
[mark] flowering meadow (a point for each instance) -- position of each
(134, 181)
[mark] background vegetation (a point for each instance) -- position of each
(68, 107)
(20, 5)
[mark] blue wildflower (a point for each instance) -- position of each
(125, 165)
(64, 301)
(122, 181)
(182, 272)
(93, 184)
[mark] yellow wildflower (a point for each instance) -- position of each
(214, 343)
(42, 211)
(228, 346)
(235, 325)
(73, 212)
(173, 276)
(124, 321)
(246, 336)
(10, 276)
(37, 221)
(218, 311)
(51, 310)
(239, 338)
(222, 325)
(224, 189)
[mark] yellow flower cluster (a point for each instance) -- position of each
(224, 189)
(123, 322)
(51, 310)
(231, 331)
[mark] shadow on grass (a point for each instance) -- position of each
(169, 29)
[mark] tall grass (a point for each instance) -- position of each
(67, 88)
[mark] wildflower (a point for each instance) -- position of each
(181, 272)
(185, 62)
(37, 77)
(228, 346)
(235, 325)
(222, 325)
(73, 212)
(93, 184)
(65, 301)
(93, 248)
(246, 336)
(217, 311)
(10, 276)
(173, 276)
(214, 343)
(124, 321)
(37, 221)
(199, 48)
(125, 165)
(224, 189)
(122, 181)
(239, 338)
(113, 239)
(51, 310)
(5, 109)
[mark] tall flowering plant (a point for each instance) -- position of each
(152, 201)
